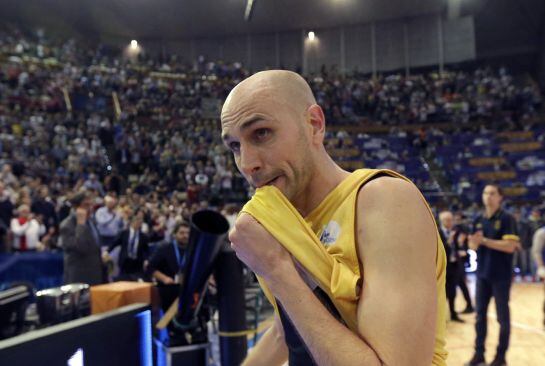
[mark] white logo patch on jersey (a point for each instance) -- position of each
(331, 233)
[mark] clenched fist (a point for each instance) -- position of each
(258, 249)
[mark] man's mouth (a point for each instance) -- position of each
(272, 181)
(268, 183)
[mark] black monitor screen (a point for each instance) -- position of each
(119, 337)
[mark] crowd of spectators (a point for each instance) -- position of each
(458, 97)
(141, 134)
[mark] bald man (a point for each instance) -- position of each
(108, 221)
(275, 130)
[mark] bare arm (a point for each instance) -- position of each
(473, 244)
(271, 349)
(507, 246)
(397, 242)
(163, 278)
(509, 243)
(400, 260)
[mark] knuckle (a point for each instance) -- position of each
(243, 222)
(232, 235)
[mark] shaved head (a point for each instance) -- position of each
(275, 130)
(280, 87)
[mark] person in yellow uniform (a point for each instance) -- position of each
(352, 262)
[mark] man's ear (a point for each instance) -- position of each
(316, 119)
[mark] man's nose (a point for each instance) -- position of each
(250, 162)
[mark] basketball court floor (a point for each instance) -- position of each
(527, 344)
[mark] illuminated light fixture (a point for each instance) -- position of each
(249, 10)
(134, 44)
(311, 35)
(76, 359)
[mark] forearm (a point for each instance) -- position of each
(473, 246)
(501, 245)
(318, 327)
(160, 276)
(271, 350)
(18, 229)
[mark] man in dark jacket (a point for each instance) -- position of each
(167, 261)
(80, 242)
(495, 239)
(448, 234)
(43, 205)
(6, 214)
(134, 250)
(461, 238)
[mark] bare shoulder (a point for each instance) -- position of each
(392, 208)
(387, 190)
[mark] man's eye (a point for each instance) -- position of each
(262, 133)
(234, 146)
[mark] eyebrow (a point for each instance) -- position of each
(244, 126)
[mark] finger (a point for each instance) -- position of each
(241, 258)
(233, 238)
(245, 220)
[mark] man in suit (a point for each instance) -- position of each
(80, 241)
(448, 235)
(461, 239)
(134, 250)
(167, 261)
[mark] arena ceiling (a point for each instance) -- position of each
(185, 19)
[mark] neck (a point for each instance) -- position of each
(326, 176)
(491, 211)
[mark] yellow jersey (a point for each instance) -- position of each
(324, 243)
